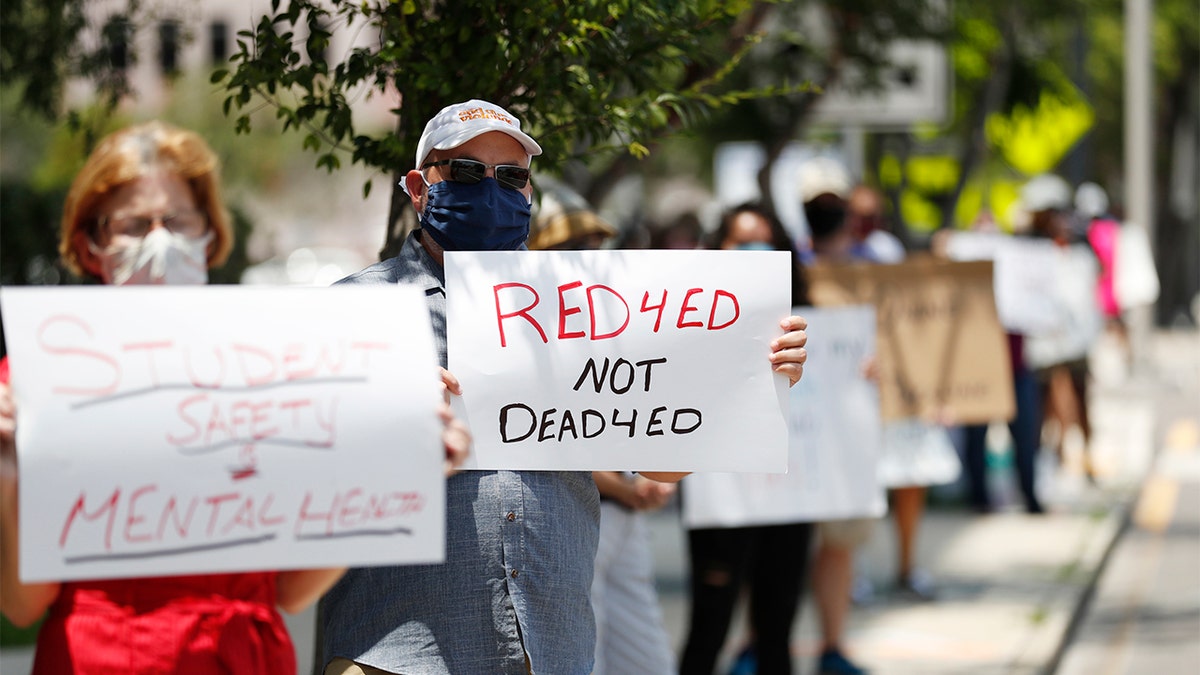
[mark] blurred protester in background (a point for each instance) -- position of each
(1063, 386)
(1102, 231)
(565, 221)
(146, 209)
(867, 221)
(770, 561)
(631, 636)
(684, 232)
(824, 187)
(1046, 197)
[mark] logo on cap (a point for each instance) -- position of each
(484, 113)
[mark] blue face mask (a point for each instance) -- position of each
(755, 246)
(478, 217)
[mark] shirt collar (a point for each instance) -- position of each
(420, 268)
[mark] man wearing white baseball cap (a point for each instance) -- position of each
(513, 593)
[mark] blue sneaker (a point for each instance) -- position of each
(833, 662)
(746, 663)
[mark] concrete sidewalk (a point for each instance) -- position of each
(1013, 588)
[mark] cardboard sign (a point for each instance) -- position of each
(620, 360)
(835, 440)
(942, 351)
(168, 430)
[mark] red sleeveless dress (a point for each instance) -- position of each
(214, 623)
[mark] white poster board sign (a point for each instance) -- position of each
(836, 436)
(917, 453)
(1023, 270)
(1044, 291)
(168, 430)
(620, 360)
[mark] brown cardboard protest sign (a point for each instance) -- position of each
(942, 351)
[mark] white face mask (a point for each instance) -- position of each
(161, 257)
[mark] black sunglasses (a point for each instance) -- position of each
(470, 171)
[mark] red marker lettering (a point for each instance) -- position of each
(685, 308)
(564, 312)
(306, 516)
(215, 502)
(149, 348)
(263, 519)
(592, 311)
(195, 380)
(244, 517)
(523, 312)
(78, 509)
(183, 415)
(132, 518)
(58, 350)
(349, 513)
(181, 528)
(662, 304)
(265, 368)
(737, 311)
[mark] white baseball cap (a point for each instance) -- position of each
(821, 175)
(456, 124)
(1091, 200)
(1044, 192)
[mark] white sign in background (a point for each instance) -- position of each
(1044, 291)
(620, 360)
(836, 436)
(218, 429)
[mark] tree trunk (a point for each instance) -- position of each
(974, 150)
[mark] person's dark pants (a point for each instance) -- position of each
(773, 560)
(1026, 431)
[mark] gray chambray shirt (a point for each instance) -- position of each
(520, 546)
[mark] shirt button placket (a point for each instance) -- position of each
(511, 517)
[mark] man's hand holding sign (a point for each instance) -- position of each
(624, 360)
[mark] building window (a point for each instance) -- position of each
(168, 47)
(218, 41)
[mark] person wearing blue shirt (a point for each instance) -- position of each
(513, 593)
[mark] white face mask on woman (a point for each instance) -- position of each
(161, 257)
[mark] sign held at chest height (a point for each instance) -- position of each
(175, 430)
(620, 360)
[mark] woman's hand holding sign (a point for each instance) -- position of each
(787, 351)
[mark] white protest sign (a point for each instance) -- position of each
(1044, 291)
(168, 430)
(1022, 272)
(917, 453)
(835, 432)
(620, 360)
(1077, 307)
